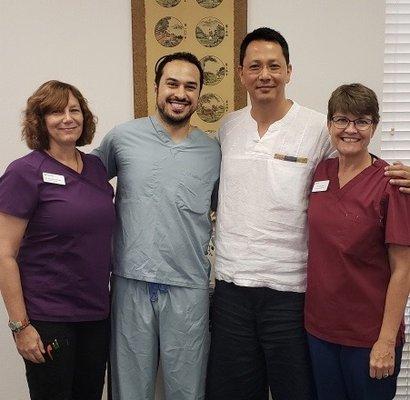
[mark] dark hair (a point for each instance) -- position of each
(267, 35)
(53, 96)
(355, 99)
(182, 55)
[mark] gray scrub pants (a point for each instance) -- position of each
(172, 329)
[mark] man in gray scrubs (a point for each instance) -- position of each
(166, 171)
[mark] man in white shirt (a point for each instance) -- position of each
(270, 151)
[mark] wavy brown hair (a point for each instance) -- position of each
(53, 96)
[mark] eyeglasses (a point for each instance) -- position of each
(361, 124)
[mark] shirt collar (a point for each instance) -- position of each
(163, 134)
(289, 116)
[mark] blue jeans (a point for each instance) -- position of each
(342, 372)
(258, 341)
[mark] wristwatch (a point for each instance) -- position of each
(18, 326)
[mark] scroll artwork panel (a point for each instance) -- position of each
(210, 29)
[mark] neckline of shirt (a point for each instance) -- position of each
(68, 169)
(376, 165)
(163, 135)
(290, 115)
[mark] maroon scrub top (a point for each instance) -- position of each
(348, 268)
(65, 255)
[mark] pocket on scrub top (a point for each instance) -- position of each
(291, 182)
(364, 227)
(193, 194)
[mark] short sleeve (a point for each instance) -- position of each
(218, 136)
(106, 153)
(19, 190)
(327, 150)
(320, 174)
(398, 217)
(221, 132)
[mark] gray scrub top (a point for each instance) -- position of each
(162, 200)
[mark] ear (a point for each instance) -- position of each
(240, 73)
(328, 127)
(288, 72)
(155, 89)
(374, 127)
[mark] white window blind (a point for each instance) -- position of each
(396, 124)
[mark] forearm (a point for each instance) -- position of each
(382, 355)
(11, 290)
(396, 299)
(28, 341)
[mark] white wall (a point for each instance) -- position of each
(88, 43)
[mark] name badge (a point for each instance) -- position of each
(320, 186)
(53, 178)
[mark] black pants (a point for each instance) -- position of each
(258, 341)
(77, 369)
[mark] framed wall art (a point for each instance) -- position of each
(210, 29)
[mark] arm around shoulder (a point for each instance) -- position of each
(400, 175)
(106, 152)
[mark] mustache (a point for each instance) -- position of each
(178, 100)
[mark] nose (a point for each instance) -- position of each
(264, 73)
(180, 92)
(67, 116)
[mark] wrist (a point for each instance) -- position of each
(17, 326)
(389, 340)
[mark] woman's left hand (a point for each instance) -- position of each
(382, 359)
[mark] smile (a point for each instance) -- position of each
(350, 140)
(178, 105)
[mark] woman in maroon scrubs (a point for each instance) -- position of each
(359, 259)
(56, 222)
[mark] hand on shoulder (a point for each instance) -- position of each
(400, 175)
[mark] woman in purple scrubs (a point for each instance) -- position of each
(56, 222)
(358, 268)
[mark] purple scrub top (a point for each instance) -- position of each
(65, 255)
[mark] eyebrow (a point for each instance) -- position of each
(257, 60)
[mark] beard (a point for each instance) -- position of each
(174, 119)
